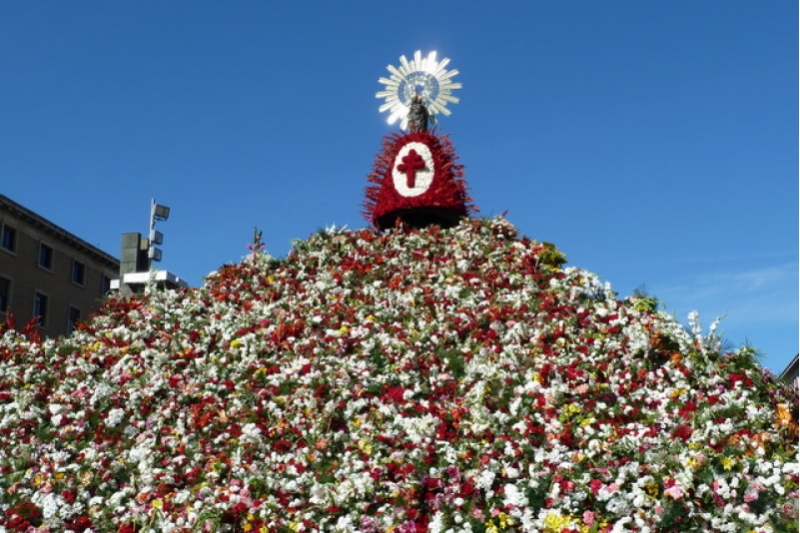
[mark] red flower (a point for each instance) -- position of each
(282, 445)
(686, 411)
(23, 516)
(81, 524)
(683, 432)
(394, 394)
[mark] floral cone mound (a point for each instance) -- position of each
(440, 380)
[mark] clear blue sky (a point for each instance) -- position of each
(655, 143)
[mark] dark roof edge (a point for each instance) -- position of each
(789, 367)
(58, 231)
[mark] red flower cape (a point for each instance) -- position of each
(403, 187)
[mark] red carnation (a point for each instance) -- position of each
(682, 431)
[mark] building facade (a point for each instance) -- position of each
(47, 273)
(790, 373)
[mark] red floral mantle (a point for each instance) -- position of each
(417, 181)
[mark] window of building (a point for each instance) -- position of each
(73, 319)
(78, 272)
(8, 238)
(45, 256)
(41, 303)
(5, 294)
(105, 285)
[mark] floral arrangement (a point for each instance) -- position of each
(438, 193)
(436, 380)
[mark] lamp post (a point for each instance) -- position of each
(138, 254)
(157, 212)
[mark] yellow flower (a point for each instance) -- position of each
(727, 463)
(343, 330)
(505, 520)
(365, 446)
(693, 462)
(235, 343)
(157, 504)
(570, 410)
(554, 523)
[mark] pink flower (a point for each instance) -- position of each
(477, 513)
(676, 491)
(588, 518)
(612, 488)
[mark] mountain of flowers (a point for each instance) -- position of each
(459, 380)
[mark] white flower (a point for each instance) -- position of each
(419, 429)
(250, 433)
(485, 480)
(513, 496)
(114, 417)
(49, 503)
(436, 524)
(319, 494)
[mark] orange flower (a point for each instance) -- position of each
(784, 415)
(761, 438)
(786, 419)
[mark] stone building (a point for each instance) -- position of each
(48, 273)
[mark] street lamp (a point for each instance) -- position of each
(157, 212)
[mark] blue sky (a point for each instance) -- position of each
(655, 143)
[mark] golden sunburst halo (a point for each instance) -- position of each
(424, 76)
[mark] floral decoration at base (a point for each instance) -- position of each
(436, 380)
